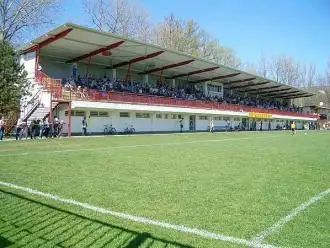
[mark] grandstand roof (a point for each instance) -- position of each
(73, 43)
(320, 94)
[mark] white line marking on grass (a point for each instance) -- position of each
(143, 220)
(279, 224)
(134, 146)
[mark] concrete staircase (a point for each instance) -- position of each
(40, 113)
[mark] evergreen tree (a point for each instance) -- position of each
(13, 82)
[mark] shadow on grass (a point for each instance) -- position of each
(26, 222)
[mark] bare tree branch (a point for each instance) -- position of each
(119, 16)
(20, 16)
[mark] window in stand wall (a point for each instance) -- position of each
(93, 114)
(75, 113)
(142, 115)
(173, 116)
(159, 116)
(165, 116)
(217, 118)
(103, 114)
(124, 114)
(202, 117)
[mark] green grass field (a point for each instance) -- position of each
(233, 184)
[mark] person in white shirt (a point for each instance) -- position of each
(211, 126)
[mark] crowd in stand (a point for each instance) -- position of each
(187, 92)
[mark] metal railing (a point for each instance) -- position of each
(106, 96)
(80, 94)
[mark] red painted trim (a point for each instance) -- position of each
(194, 72)
(168, 66)
(217, 78)
(95, 52)
(135, 60)
(48, 41)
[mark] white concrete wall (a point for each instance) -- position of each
(28, 60)
(153, 124)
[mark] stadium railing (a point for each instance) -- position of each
(59, 92)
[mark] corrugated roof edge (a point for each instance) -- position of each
(72, 25)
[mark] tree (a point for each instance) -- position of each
(189, 37)
(19, 17)
(311, 75)
(119, 16)
(263, 67)
(13, 82)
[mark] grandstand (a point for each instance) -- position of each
(111, 79)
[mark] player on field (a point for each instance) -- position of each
(293, 127)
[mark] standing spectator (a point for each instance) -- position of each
(181, 125)
(211, 126)
(46, 127)
(60, 128)
(19, 129)
(228, 125)
(56, 123)
(2, 128)
(84, 125)
(32, 128)
(41, 128)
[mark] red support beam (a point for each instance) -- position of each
(217, 78)
(167, 67)
(194, 72)
(96, 52)
(48, 41)
(135, 60)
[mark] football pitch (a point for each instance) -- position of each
(249, 189)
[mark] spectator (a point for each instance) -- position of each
(181, 125)
(84, 125)
(19, 129)
(56, 123)
(2, 128)
(41, 128)
(60, 128)
(46, 128)
(211, 126)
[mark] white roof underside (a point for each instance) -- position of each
(83, 40)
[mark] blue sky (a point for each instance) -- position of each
(297, 28)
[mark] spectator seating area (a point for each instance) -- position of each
(82, 86)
